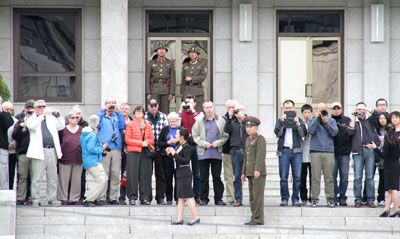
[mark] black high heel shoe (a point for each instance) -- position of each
(197, 221)
(385, 214)
(396, 214)
(177, 222)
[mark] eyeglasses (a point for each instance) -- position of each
(41, 106)
(74, 117)
(153, 105)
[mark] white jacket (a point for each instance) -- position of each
(34, 124)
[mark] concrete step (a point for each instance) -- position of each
(216, 222)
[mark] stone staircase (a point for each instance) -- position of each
(216, 221)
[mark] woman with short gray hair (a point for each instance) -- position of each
(70, 165)
(167, 139)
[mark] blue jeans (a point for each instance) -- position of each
(237, 163)
(341, 166)
(287, 159)
(367, 161)
(196, 172)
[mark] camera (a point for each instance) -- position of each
(111, 107)
(114, 138)
(29, 112)
(187, 106)
(107, 149)
(56, 114)
(235, 112)
(324, 113)
(357, 113)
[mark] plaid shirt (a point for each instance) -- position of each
(162, 121)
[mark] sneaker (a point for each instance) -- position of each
(55, 203)
(303, 202)
(343, 203)
(35, 203)
(331, 203)
(314, 203)
(283, 204)
(381, 203)
(296, 204)
(161, 202)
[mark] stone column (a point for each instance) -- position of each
(244, 62)
(114, 50)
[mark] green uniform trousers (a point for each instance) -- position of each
(256, 193)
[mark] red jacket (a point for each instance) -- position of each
(134, 136)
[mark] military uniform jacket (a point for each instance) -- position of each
(198, 71)
(159, 72)
(254, 156)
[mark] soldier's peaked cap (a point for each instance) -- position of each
(251, 121)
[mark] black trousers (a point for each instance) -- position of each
(122, 190)
(381, 187)
(83, 184)
(170, 175)
(139, 169)
(160, 178)
(12, 164)
(216, 166)
(303, 183)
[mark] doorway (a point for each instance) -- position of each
(178, 52)
(309, 70)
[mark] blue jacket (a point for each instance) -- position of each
(91, 148)
(322, 134)
(110, 126)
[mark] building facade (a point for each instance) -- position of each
(259, 52)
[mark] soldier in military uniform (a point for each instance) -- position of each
(194, 72)
(254, 169)
(160, 79)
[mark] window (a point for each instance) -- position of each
(181, 22)
(47, 54)
(309, 22)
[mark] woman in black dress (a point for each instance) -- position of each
(390, 152)
(182, 156)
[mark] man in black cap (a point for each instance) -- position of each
(160, 79)
(157, 120)
(254, 169)
(194, 72)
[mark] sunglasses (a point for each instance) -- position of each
(154, 105)
(336, 108)
(41, 106)
(74, 117)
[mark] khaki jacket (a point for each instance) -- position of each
(159, 72)
(254, 156)
(199, 134)
(198, 71)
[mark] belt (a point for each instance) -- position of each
(284, 147)
(48, 146)
(186, 165)
(161, 81)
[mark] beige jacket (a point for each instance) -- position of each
(199, 134)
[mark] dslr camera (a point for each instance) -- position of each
(107, 149)
(324, 113)
(235, 112)
(111, 107)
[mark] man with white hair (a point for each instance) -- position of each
(44, 150)
(6, 122)
(227, 156)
